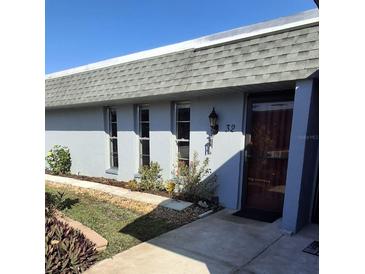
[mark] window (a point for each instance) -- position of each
(183, 132)
(113, 139)
(144, 136)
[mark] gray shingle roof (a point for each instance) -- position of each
(273, 57)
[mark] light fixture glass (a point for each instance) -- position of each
(213, 119)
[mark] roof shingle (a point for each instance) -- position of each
(284, 56)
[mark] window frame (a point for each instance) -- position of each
(112, 153)
(182, 105)
(140, 138)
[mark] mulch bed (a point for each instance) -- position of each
(107, 181)
(123, 184)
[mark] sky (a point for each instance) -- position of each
(80, 32)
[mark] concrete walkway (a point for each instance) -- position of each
(218, 244)
(122, 192)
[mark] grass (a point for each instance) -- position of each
(121, 227)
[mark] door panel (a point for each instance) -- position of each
(267, 148)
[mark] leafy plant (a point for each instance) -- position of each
(49, 209)
(133, 185)
(67, 249)
(59, 160)
(57, 201)
(151, 177)
(170, 187)
(193, 180)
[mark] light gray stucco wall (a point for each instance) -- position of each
(127, 142)
(227, 146)
(161, 137)
(82, 131)
(303, 153)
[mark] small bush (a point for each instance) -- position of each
(133, 185)
(59, 160)
(67, 249)
(56, 200)
(193, 181)
(151, 177)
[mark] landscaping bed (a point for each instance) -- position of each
(122, 222)
(110, 182)
(193, 182)
(123, 184)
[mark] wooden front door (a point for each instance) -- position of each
(268, 129)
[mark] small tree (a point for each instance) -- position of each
(59, 160)
(193, 180)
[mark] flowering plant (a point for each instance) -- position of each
(59, 160)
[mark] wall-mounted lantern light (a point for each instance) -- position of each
(213, 119)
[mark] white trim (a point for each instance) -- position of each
(106, 137)
(112, 153)
(181, 105)
(301, 19)
(242, 153)
(140, 154)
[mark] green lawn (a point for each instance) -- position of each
(123, 228)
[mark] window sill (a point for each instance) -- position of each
(112, 170)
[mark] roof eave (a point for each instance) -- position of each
(247, 32)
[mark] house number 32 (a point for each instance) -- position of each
(230, 127)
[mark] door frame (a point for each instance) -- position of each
(314, 216)
(271, 96)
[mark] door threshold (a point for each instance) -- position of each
(258, 215)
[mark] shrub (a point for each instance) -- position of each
(58, 201)
(193, 180)
(59, 160)
(67, 249)
(133, 185)
(151, 177)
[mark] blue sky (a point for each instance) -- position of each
(80, 32)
